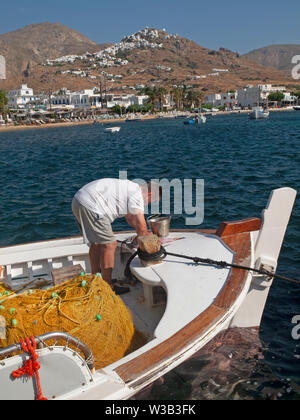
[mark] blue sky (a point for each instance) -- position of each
(237, 25)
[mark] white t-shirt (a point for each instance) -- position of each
(111, 197)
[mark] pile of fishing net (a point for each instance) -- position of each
(85, 307)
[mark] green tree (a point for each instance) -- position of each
(151, 93)
(161, 93)
(117, 109)
(178, 97)
(193, 98)
(3, 102)
(276, 97)
(297, 94)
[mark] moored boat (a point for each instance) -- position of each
(199, 119)
(180, 306)
(113, 129)
(259, 113)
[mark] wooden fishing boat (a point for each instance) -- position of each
(179, 305)
(258, 113)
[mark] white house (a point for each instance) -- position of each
(62, 98)
(251, 96)
(213, 99)
(126, 100)
(229, 99)
(20, 98)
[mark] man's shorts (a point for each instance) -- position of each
(96, 229)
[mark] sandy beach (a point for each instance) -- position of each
(65, 124)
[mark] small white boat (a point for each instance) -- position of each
(259, 113)
(297, 108)
(201, 119)
(113, 129)
(179, 305)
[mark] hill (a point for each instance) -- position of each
(33, 44)
(277, 56)
(54, 56)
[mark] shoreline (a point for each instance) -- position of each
(117, 120)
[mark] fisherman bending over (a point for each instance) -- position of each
(98, 204)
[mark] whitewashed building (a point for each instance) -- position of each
(213, 99)
(226, 99)
(251, 96)
(229, 100)
(62, 98)
(21, 97)
(126, 100)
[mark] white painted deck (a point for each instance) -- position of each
(190, 288)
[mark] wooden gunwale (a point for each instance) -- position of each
(240, 243)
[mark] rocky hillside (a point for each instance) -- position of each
(34, 44)
(148, 57)
(277, 56)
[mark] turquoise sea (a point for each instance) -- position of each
(240, 160)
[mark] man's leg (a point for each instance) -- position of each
(95, 258)
(102, 257)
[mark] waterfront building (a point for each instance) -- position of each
(251, 96)
(229, 100)
(126, 100)
(213, 99)
(21, 98)
(226, 99)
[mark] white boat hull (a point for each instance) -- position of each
(259, 114)
(224, 298)
(113, 129)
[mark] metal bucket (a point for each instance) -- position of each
(159, 225)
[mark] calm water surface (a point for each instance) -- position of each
(240, 160)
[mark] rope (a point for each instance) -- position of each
(31, 366)
(162, 253)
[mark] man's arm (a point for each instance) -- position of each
(138, 222)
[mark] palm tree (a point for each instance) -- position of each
(151, 93)
(177, 96)
(198, 98)
(161, 93)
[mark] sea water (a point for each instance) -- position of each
(241, 161)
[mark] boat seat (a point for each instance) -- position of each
(190, 288)
(62, 371)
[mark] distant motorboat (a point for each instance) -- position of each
(113, 129)
(200, 119)
(259, 113)
(296, 108)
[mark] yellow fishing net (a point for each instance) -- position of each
(85, 307)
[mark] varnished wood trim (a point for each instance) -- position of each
(239, 226)
(208, 231)
(134, 369)
(240, 244)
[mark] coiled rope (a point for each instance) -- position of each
(31, 366)
(162, 254)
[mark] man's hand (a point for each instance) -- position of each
(138, 222)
